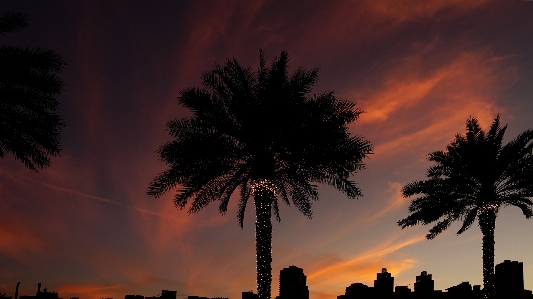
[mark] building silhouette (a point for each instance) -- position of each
(293, 284)
(249, 295)
(356, 290)
(166, 294)
(424, 283)
(463, 287)
(402, 289)
(509, 277)
(384, 282)
(42, 294)
(424, 287)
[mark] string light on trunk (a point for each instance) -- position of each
(264, 186)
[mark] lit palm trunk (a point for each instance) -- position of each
(263, 242)
(487, 222)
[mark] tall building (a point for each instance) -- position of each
(293, 284)
(424, 283)
(509, 277)
(384, 282)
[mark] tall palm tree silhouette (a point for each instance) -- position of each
(29, 87)
(261, 133)
(473, 179)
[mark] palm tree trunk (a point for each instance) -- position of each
(263, 243)
(487, 223)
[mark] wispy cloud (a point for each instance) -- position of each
(347, 265)
(84, 196)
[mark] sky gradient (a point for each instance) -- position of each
(85, 227)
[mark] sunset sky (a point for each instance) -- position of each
(85, 227)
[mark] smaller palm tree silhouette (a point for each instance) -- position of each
(472, 180)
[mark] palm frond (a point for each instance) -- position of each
(29, 88)
(235, 179)
(439, 228)
(163, 182)
(468, 220)
(13, 21)
(245, 195)
(275, 209)
(520, 201)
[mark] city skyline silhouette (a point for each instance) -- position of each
(292, 284)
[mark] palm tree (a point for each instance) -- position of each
(472, 179)
(29, 87)
(261, 133)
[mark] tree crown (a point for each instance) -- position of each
(260, 129)
(476, 174)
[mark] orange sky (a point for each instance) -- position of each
(84, 227)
